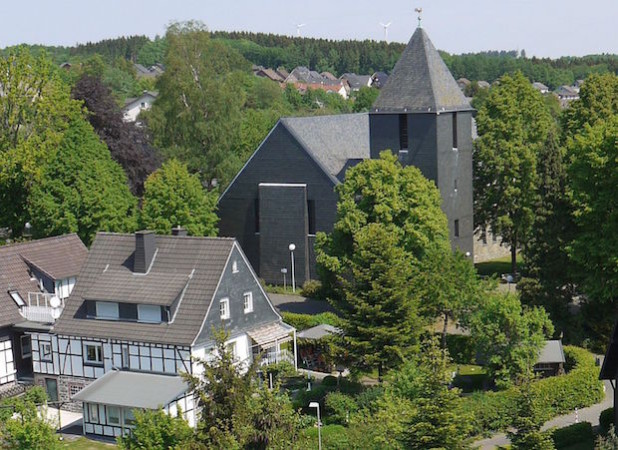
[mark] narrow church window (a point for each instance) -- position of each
(256, 207)
(456, 232)
(455, 185)
(454, 130)
(311, 215)
(403, 131)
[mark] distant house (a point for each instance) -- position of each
(148, 72)
(331, 87)
(302, 74)
(66, 65)
(379, 79)
(329, 76)
(270, 74)
(551, 360)
(483, 84)
(463, 83)
(282, 72)
(36, 277)
(144, 311)
(134, 106)
(356, 81)
(567, 93)
(540, 87)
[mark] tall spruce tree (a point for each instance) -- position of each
(513, 124)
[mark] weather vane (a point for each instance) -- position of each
(419, 11)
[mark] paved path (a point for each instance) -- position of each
(590, 414)
(299, 304)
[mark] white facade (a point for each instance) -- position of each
(133, 108)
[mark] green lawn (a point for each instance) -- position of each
(86, 444)
(498, 266)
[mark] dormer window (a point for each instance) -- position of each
(234, 267)
(224, 309)
(107, 310)
(149, 313)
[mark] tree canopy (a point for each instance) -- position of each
(172, 197)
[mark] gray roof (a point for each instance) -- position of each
(318, 332)
(356, 81)
(336, 142)
(551, 353)
(133, 390)
(57, 257)
(420, 82)
(178, 258)
(304, 75)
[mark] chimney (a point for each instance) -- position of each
(145, 246)
(179, 231)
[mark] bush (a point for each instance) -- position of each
(573, 434)
(334, 437)
(369, 397)
(493, 411)
(606, 420)
(312, 288)
(339, 408)
(316, 394)
(304, 321)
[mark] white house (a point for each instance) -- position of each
(144, 309)
(134, 106)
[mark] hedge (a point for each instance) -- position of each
(606, 420)
(304, 321)
(461, 348)
(573, 434)
(494, 411)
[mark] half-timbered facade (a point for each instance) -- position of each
(35, 279)
(147, 305)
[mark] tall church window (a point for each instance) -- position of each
(311, 215)
(403, 131)
(454, 130)
(456, 231)
(256, 207)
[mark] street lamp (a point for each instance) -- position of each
(284, 271)
(317, 406)
(292, 247)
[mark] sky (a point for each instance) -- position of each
(543, 28)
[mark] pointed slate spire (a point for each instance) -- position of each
(420, 82)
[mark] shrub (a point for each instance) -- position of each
(304, 321)
(329, 380)
(339, 408)
(606, 420)
(312, 288)
(573, 434)
(316, 394)
(369, 397)
(461, 348)
(334, 437)
(493, 411)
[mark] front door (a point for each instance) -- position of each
(51, 387)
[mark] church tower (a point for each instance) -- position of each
(423, 117)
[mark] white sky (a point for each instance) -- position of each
(542, 27)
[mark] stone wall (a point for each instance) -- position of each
(67, 387)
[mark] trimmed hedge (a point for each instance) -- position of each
(494, 411)
(573, 434)
(606, 420)
(304, 321)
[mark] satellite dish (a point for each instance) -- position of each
(54, 302)
(55, 313)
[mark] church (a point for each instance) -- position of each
(285, 192)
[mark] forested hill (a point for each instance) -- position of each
(338, 57)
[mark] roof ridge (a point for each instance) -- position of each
(37, 241)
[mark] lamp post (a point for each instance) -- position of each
(292, 247)
(284, 271)
(317, 406)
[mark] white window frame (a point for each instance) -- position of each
(110, 408)
(89, 361)
(231, 348)
(224, 308)
(151, 309)
(235, 267)
(21, 343)
(44, 354)
(93, 407)
(100, 307)
(247, 300)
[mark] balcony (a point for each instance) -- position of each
(39, 309)
(276, 357)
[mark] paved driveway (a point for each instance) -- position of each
(299, 304)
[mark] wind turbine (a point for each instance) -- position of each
(385, 26)
(298, 27)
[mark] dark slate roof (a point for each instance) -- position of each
(356, 81)
(133, 389)
(420, 82)
(58, 257)
(551, 353)
(177, 258)
(334, 141)
(609, 369)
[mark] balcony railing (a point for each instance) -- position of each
(277, 357)
(38, 308)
